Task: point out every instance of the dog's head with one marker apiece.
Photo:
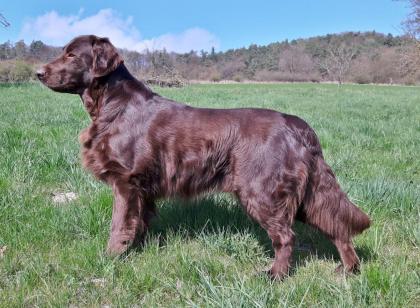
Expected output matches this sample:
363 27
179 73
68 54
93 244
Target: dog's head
83 59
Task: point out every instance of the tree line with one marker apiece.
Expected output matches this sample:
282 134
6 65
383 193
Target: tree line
360 57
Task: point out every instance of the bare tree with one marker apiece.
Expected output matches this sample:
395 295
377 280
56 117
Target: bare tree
410 53
412 23
337 61
294 60
3 21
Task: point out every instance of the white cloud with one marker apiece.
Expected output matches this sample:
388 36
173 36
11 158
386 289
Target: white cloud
55 29
191 39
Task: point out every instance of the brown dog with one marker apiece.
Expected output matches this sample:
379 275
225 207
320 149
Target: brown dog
147 147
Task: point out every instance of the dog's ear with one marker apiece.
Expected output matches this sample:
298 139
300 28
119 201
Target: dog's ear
105 57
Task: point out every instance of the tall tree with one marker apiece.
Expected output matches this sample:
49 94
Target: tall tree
337 61
294 60
20 49
410 60
7 51
412 23
36 49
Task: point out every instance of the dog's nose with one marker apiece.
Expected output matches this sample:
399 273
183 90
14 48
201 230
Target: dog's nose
40 73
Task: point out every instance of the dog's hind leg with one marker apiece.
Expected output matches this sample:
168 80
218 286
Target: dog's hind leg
277 220
349 259
328 208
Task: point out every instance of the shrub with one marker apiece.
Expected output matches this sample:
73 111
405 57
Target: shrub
22 72
237 78
5 68
361 79
16 71
215 77
286 76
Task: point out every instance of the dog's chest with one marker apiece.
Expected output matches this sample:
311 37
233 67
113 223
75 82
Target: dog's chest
97 154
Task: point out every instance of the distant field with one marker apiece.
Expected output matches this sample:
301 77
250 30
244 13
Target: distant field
208 253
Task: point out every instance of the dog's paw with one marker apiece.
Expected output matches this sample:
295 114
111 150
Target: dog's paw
117 248
339 269
347 270
276 274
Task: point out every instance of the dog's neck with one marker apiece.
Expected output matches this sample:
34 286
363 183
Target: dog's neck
120 74
94 97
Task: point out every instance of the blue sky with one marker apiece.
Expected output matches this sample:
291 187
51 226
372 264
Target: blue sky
184 25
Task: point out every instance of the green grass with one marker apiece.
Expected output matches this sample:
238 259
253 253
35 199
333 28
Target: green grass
207 252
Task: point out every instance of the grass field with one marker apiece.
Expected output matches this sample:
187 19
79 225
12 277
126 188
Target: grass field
208 253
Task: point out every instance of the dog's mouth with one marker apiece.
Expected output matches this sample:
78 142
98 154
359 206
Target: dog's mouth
59 86
45 78
44 75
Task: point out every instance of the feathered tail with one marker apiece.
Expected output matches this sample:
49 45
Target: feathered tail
328 208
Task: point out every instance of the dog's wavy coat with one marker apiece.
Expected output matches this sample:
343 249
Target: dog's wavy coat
147 147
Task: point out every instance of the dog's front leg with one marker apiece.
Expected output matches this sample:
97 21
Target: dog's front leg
126 218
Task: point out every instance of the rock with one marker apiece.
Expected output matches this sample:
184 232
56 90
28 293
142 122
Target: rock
2 251
64 197
98 282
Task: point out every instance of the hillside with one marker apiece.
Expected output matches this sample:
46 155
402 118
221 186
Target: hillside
367 57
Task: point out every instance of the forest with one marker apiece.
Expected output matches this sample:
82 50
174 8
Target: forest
351 57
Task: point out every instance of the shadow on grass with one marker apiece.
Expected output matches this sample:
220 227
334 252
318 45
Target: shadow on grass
213 214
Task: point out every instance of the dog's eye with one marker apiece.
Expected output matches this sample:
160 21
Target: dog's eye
71 55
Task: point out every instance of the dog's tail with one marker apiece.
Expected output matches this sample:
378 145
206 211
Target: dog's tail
327 207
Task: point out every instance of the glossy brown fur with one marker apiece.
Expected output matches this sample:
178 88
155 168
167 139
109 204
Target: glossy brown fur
148 147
